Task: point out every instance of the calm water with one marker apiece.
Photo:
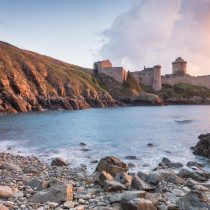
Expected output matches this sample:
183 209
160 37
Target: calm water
115 131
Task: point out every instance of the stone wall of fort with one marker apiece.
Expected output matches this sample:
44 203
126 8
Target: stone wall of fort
149 76
118 73
105 67
203 81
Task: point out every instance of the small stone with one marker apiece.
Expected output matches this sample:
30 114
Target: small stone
6 192
52 204
69 204
131 157
58 162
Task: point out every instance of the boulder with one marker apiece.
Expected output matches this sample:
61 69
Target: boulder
3 207
124 178
198 176
58 162
113 186
138 204
169 164
111 165
104 176
203 146
10 167
6 192
194 200
156 176
139 184
37 184
56 193
194 163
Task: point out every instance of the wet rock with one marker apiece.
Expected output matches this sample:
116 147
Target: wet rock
203 146
10 166
194 200
57 194
85 150
139 184
111 165
131 165
194 163
94 161
82 144
198 176
58 162
131 157
150 145
138 204
103 176
169 164
175 179
113 186
6 192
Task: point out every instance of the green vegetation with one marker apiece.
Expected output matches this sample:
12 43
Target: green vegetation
183 91
131 84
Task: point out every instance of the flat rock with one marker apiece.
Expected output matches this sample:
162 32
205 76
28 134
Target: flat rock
57 194
128 195
113 186
138 204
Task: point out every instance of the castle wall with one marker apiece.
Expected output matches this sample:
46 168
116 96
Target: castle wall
118 73
203 81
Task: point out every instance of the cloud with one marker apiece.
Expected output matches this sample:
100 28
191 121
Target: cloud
157 31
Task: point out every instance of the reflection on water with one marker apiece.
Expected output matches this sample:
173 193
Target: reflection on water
113 131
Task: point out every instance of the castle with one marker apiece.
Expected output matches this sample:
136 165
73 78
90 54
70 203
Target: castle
105 67
152 76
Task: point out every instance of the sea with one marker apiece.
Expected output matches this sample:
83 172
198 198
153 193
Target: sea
119 131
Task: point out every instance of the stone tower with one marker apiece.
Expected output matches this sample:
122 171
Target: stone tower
179 66
157 83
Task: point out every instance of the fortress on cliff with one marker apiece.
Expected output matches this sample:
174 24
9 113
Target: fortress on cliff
152 76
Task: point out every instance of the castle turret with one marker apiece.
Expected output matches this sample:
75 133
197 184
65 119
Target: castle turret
157 83
179 66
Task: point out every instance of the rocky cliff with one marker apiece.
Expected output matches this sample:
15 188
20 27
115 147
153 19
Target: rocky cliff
33 82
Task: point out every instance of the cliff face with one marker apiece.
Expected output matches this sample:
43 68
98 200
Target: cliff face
29 81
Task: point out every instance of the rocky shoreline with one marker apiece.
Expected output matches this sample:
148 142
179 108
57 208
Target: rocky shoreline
28 183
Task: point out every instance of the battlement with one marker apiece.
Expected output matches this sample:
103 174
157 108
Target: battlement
149 76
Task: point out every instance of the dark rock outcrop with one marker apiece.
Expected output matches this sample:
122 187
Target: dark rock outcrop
203 146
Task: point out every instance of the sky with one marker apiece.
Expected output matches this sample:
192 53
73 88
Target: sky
131 33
